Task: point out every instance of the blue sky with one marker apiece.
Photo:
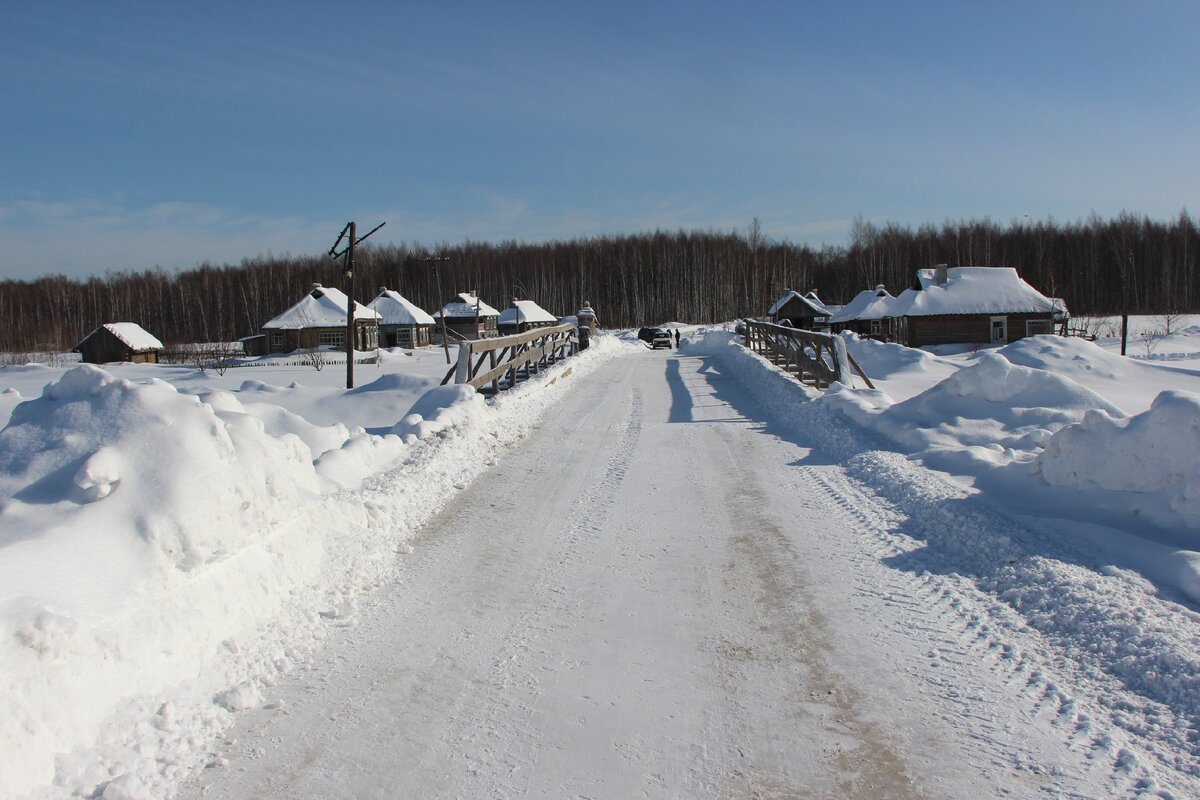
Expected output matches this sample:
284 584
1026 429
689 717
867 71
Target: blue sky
142 134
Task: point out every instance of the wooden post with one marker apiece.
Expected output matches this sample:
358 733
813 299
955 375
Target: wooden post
816 367
463 375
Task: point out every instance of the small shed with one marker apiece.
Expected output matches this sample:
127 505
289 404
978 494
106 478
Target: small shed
119 341
401 323
800 311
319 320
970 305
522 315
469 317
865 314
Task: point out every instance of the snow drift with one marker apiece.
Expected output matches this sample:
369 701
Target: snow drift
1157 451
993 412
152 501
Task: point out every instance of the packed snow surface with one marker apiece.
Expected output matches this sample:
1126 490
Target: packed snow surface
173 544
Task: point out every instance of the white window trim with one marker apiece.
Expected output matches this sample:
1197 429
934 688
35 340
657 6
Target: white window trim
992 329
1049 325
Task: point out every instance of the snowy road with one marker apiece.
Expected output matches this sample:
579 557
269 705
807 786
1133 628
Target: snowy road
662 594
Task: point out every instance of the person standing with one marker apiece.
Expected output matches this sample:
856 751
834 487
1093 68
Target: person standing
677 338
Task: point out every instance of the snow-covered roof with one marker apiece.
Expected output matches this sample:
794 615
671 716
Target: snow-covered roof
465 305
970 290
818 308
811 297
132 334
525 311
322 307
867 304
394 309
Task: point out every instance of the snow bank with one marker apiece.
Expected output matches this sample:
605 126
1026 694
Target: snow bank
1157 451
900 371
994 412
439 409
1128 383
127 514
164 555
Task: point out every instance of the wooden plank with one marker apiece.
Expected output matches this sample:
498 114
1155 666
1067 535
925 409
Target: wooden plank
498 371
500 342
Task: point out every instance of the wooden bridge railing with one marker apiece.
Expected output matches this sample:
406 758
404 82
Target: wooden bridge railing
819 358
489 361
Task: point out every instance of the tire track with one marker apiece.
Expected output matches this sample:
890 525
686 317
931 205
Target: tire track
492 731
961 630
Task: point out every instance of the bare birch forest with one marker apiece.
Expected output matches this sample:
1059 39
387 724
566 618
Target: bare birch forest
1099 266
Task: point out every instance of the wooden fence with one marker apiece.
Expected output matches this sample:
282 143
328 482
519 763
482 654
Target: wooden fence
502 361
816 358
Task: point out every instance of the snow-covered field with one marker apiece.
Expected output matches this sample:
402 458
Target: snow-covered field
172 543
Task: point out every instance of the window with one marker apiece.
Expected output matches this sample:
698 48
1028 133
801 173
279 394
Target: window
876 327
1036 327
331 338
999 330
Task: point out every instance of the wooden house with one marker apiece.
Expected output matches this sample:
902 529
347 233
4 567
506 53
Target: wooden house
401 323
800 311
866 314
969 305
119 341
468 317
319 320
522 315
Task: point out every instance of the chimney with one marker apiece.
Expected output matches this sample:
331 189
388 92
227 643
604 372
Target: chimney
941 274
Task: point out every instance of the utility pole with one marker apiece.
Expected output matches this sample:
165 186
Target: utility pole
1125 300
437 274
352 240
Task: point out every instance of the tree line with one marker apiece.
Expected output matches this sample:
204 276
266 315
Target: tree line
1098 266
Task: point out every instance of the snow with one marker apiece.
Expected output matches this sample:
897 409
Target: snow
173 544
1153 452
133 335
395 309
970 290
322 307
